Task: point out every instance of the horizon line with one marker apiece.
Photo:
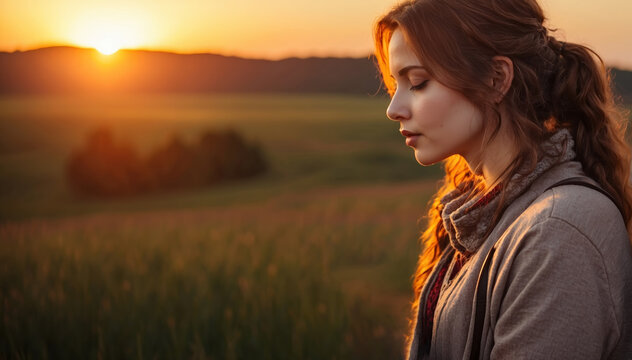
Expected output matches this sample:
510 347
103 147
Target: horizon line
208 52
229 55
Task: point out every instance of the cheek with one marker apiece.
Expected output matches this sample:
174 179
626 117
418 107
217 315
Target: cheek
430 114
444 110
451 125
460 115
464 123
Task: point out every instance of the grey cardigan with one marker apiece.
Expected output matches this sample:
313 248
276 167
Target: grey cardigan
560 281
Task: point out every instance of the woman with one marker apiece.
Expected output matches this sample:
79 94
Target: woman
527 253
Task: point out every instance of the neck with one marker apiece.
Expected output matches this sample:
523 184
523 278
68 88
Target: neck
494 165
494 158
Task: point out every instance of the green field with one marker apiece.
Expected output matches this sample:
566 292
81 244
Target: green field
310 261
310 141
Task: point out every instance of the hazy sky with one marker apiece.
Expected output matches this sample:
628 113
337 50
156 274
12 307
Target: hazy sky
270 29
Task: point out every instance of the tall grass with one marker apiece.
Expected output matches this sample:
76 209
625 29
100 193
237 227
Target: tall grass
267 280
311 261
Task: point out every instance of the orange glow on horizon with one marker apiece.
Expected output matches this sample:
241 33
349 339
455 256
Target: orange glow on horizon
274 29
107 47
107 30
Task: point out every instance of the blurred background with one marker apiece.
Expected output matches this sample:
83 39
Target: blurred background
214 180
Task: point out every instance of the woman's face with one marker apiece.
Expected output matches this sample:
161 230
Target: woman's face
438 122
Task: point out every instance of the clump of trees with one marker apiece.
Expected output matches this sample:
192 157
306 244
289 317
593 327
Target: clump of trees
107 167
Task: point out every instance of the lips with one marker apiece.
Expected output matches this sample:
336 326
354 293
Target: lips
411 137
407 133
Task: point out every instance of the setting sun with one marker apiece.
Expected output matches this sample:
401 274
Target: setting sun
107 47
274 29
108 30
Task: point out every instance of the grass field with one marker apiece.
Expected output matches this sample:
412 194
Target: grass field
310 141
310 261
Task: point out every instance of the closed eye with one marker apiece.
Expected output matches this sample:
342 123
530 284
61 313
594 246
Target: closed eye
419 86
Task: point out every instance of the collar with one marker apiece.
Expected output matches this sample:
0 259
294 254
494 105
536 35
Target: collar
467 216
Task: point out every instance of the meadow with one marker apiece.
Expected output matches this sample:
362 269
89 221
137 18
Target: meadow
310 261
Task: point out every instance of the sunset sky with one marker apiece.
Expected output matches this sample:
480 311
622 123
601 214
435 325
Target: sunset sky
264 29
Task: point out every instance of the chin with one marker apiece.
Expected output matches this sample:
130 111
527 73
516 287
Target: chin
425 159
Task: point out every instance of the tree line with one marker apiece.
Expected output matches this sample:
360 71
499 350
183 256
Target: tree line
107 167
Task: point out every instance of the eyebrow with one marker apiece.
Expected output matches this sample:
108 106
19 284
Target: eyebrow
403 71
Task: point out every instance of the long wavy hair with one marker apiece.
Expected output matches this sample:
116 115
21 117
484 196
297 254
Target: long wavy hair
556 85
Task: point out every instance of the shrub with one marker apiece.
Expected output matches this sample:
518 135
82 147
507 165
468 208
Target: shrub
104 167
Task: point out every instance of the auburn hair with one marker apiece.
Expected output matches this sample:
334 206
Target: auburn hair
556 85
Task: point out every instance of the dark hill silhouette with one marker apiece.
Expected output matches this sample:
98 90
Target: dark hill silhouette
69 69
64 69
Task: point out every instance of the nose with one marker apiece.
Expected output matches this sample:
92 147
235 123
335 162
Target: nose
397 109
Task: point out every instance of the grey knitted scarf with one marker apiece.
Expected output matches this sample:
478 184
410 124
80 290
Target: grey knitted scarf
467 226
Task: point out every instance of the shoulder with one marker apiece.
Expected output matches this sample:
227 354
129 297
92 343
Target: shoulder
579 211
579 230
576 221
574 235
